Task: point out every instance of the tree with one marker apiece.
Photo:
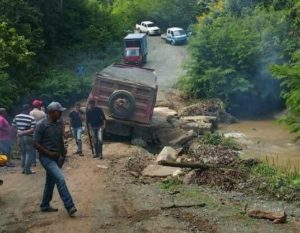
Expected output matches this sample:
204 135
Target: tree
14 54
230 56
289 74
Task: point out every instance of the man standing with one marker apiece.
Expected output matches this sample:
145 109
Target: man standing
96 123
76 118
5 136
38 115
24 125
49 142
36 112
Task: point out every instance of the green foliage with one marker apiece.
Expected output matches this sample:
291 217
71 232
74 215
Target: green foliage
38 35
219 139
229 59
290 76
165 13
272 181
14 54
63 86
265 170
170 183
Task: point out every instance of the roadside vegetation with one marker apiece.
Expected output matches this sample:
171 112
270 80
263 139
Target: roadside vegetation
254 177
233 47
43 42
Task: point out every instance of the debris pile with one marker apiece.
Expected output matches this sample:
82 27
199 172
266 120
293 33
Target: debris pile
226 179
204 108
211 154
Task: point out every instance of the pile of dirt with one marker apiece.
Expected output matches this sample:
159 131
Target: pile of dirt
139 162
210 107
226 179
211 154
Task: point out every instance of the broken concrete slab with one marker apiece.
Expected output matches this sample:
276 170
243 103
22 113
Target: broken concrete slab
167 154
200 118
184 138
161 117
154 170
200 124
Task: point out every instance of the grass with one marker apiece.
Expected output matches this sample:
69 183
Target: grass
170 183
283 184
219 139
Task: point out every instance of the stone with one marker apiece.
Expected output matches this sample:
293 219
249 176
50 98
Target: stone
188 179
276 217
167 154
178 172
102 166
154 170
184 138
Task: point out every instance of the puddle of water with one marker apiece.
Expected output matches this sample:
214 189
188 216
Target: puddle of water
266 140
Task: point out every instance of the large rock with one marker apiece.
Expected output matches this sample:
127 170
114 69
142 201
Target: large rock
200 124
167 154
160 171
184 138
190 177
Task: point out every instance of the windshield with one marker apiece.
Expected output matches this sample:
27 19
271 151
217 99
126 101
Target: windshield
151 25
179 33
132 52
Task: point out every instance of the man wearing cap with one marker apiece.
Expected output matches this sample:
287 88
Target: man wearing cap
38 115
36 112
48 140
23 125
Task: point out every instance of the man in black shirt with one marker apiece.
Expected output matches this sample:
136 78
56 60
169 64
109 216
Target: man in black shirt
48 140
96 123
76 118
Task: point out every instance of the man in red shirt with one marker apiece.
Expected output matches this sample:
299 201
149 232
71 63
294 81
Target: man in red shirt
5 135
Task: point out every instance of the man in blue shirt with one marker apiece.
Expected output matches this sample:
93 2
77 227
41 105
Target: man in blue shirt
48 140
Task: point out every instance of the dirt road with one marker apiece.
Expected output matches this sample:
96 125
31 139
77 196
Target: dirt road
167 60
109 199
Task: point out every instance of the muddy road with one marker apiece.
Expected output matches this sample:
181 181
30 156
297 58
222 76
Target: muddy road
110 199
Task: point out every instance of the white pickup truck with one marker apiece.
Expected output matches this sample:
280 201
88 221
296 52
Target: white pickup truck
148 27
175 35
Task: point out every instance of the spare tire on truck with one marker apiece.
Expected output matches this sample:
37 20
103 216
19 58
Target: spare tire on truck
121 104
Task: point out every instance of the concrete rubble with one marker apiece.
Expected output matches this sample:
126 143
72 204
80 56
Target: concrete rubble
167 154
154 170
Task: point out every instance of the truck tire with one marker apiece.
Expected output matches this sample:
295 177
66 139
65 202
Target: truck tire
121 104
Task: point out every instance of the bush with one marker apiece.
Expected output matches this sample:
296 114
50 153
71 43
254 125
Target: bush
63 86
218 139
273 181
230 57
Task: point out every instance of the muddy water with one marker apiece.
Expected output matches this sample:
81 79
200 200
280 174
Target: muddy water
266 140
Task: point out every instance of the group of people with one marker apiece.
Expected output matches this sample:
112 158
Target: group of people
43 134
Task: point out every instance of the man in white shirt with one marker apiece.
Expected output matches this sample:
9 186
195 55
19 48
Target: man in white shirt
38 115
36 112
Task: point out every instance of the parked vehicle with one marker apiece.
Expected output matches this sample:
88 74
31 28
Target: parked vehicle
175 35
148 27
135 49
127 95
